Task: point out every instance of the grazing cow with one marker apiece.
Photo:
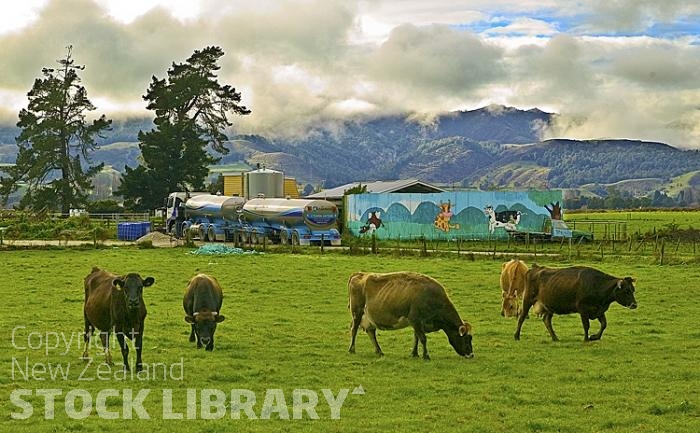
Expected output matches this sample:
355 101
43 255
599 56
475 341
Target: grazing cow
577 289
115 302
512 286
400 299
202 304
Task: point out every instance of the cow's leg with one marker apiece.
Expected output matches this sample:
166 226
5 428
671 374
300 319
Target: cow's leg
586 326
527 304
424 342
104 336
603 324
414 353
547 319
124 348
372 332
354 326
192 334
87 333
138 344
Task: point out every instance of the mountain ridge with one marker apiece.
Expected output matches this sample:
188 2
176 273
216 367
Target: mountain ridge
490 147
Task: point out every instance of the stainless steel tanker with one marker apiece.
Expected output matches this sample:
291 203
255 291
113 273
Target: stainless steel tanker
212 218
214 206
299 221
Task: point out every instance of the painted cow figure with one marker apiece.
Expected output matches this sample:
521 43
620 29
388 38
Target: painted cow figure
400 299
114 302
202 303
512 286
578 289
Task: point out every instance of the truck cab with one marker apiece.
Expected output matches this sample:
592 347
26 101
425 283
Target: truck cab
174 207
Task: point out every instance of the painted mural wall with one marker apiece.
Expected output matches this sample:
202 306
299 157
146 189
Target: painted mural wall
451 215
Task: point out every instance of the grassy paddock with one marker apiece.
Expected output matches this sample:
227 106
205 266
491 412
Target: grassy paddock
287 327
639 222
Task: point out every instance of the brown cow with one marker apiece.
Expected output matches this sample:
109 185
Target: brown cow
512 286
115 302
400 299
202 304
577 289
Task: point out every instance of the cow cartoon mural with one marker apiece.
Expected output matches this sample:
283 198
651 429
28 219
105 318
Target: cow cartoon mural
373 223
442 220
449 215
509 220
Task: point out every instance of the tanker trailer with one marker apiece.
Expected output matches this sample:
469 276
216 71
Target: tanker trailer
206 216
296 221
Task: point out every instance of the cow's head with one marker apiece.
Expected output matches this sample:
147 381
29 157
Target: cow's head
510 305
205 325
132 287
461 340
624 292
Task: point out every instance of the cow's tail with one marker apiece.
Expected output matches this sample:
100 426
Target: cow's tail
353 275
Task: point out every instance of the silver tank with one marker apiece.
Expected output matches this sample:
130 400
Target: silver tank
317 214
265 182
214 206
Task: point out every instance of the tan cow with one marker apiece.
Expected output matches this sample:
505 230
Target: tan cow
512 286
400 299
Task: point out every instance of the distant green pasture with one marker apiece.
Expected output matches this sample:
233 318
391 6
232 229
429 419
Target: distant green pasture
287 328
641 222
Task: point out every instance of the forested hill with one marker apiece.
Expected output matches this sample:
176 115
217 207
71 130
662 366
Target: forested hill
492 147
572 163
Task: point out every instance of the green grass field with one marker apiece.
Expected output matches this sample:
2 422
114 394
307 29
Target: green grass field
287 328
637 222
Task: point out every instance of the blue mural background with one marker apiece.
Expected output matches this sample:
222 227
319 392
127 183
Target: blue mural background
411 216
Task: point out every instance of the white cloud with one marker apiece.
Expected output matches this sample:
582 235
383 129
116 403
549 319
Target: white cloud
302 61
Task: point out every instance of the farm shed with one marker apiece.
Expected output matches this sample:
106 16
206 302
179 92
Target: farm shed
406 186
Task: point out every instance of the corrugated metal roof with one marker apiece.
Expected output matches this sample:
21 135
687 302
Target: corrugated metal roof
381 186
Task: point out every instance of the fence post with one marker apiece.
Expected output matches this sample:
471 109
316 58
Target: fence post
663 247
374 243
322 241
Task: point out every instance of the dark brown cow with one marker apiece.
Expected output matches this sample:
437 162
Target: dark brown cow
400 299
115 302
202 304
512 286
577 289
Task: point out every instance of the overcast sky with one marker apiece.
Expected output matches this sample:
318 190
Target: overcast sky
610 68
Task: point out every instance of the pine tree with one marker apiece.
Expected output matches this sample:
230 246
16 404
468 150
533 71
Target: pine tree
54 142
191 111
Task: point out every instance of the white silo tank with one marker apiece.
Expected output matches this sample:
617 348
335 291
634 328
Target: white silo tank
263 181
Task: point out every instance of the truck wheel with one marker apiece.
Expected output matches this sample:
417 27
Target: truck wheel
254 237
295 238
202 234
211 234
284 237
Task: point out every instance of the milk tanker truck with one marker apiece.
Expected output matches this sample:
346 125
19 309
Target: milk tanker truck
227 218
